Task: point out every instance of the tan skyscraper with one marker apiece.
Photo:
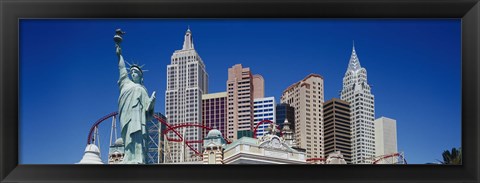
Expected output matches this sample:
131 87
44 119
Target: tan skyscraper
239 101
337 130
258 86
306 97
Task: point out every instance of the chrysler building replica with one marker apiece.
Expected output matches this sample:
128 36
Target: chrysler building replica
356 91
187 80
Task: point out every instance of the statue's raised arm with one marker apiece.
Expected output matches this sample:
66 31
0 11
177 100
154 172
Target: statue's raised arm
121 63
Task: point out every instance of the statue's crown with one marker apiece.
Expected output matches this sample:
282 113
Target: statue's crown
137 66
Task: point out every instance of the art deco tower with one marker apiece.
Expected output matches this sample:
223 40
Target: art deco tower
357 92
187 80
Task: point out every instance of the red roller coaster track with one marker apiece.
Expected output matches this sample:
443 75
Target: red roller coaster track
90 133
389 156
169 128
172 128
316 159
261 122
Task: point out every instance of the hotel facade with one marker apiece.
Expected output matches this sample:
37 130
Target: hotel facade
307 98
240 96
264 109
337 128
214 112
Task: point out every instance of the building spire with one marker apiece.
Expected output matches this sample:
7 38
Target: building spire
354 63
288 133
188 42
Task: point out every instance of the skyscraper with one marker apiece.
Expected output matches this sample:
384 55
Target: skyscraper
187 81
306 97
214 112
239 101
337 128
357 92
264 109
385 136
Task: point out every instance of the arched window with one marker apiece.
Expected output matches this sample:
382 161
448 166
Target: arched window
211 158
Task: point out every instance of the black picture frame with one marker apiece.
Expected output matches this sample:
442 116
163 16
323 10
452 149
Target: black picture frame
11 11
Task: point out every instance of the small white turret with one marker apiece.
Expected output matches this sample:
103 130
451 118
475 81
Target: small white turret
91 156
288 133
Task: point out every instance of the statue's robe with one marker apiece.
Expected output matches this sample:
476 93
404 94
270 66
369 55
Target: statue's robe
133 110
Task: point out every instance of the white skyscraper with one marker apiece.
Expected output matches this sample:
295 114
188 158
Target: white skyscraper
264 109
356 91
385 136
187 80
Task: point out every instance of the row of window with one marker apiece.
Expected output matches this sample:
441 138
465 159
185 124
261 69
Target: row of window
261 115
266 101
258 120
259 106
263 110
185 58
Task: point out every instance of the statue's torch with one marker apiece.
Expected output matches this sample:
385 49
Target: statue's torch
118 39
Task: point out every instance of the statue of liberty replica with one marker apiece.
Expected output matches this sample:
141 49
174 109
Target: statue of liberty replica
135 107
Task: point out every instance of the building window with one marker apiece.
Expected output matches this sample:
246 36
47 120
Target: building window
211 158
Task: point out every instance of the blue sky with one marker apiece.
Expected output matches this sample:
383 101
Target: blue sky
68 72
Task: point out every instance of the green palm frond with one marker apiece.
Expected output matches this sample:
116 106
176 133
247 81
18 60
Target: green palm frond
453 157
